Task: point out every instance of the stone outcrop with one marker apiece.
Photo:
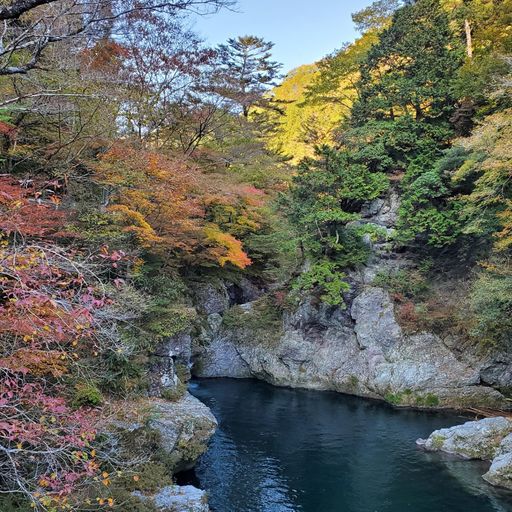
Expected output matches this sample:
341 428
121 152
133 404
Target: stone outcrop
472 440
184 429
175 498
176 433
362 351
487 439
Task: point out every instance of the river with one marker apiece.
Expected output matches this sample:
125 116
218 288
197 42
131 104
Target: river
287 450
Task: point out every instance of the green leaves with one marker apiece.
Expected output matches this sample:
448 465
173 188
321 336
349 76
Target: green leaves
326 278
327 194
411 69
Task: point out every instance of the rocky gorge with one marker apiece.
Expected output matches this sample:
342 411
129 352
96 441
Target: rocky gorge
360 349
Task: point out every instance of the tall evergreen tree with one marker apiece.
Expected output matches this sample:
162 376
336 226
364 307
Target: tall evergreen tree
410 71
247 71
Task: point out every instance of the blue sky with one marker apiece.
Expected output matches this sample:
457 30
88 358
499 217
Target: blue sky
303 30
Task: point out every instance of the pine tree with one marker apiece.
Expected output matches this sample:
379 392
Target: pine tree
247 71
411 69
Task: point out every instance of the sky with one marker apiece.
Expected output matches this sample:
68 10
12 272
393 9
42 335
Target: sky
303 31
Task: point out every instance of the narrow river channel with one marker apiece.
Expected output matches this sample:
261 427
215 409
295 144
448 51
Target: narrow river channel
285 450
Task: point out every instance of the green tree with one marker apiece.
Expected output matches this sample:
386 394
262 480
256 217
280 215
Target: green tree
410 71
325 196
247 71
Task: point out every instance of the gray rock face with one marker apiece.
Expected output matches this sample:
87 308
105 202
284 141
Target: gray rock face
162 376
222 359
375 323
383 211
175 498
211 298
185 427
472 440
244 291
500 472
487 439
362 352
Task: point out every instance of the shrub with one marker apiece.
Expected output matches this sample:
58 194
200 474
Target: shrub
87 394
407 283
325 279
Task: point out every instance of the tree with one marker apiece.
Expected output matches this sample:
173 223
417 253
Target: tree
411 70
487 209
166 206
247 72
31 26
326 195
376 16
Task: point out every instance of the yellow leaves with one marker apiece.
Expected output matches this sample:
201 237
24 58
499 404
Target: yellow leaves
504 237
43 482
105 479
136 224
19 446
105 501
232 253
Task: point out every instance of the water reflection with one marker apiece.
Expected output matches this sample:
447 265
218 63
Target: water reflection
282 450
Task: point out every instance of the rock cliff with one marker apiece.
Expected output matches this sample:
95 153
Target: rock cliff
359 350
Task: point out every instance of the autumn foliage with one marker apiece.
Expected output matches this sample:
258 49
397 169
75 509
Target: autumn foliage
48 304
168 207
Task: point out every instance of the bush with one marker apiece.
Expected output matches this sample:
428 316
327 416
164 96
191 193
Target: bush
491 306
87 394
410 284
325 279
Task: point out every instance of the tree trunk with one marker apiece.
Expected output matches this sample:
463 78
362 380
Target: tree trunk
469 39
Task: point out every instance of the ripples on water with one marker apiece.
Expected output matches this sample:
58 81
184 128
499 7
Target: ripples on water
284 450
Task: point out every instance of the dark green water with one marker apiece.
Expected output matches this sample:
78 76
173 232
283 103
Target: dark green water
283 450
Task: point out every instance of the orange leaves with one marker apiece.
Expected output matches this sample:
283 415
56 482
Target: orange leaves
233 252
37 363
154 197
168 207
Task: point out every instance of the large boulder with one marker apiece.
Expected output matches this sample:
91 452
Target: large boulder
500 472
175 498
472 440
179 430
184 428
